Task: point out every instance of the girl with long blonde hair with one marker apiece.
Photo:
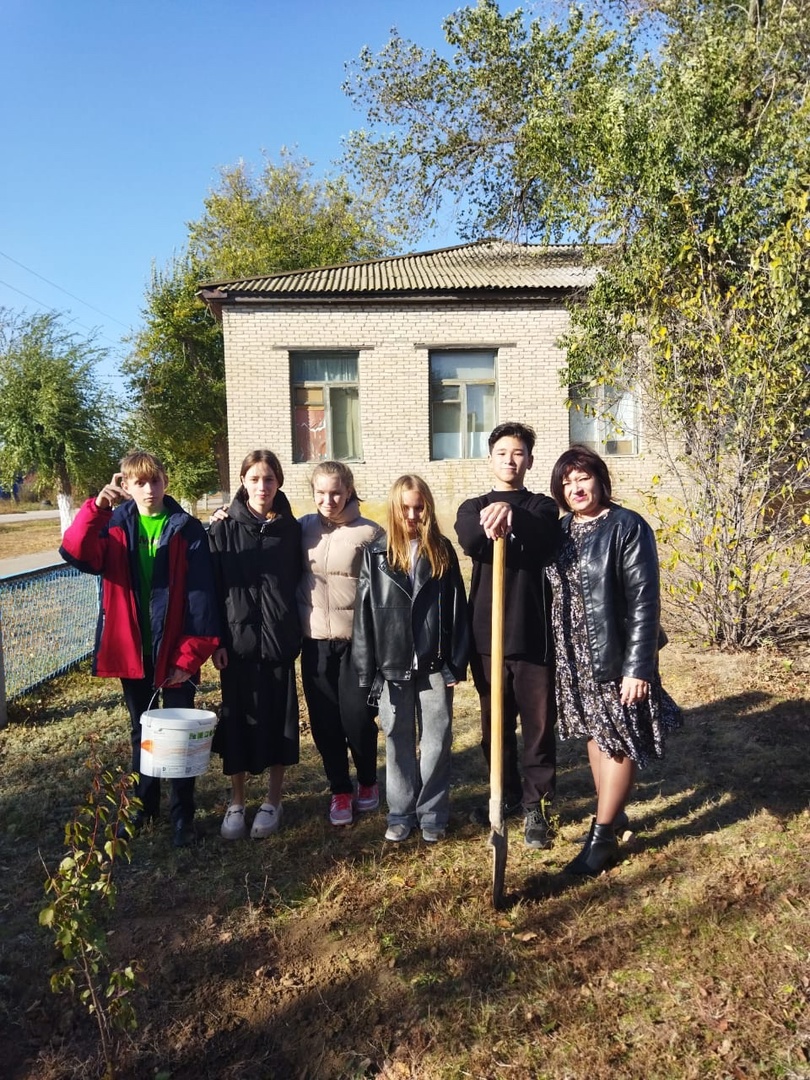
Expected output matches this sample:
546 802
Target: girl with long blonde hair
410 646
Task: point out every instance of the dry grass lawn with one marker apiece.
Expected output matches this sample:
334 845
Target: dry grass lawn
326 953
28 537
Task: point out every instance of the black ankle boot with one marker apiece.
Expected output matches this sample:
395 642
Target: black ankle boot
600 852
579 865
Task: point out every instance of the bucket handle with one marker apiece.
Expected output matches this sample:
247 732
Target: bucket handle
162 687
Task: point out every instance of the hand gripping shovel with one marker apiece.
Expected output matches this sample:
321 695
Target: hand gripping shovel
497 835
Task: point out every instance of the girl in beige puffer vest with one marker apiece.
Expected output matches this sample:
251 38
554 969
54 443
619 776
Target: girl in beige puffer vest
342 722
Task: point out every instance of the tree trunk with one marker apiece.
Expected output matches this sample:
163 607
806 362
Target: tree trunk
64 500
223 469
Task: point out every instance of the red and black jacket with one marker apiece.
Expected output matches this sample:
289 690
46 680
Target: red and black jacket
183 611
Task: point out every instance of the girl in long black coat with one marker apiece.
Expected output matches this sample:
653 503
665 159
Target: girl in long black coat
257 561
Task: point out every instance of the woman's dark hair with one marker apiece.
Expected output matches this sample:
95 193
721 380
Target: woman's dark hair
582 459
262 457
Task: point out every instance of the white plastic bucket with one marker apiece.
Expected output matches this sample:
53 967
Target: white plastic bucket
176 742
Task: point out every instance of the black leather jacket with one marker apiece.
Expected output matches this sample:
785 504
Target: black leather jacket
394 622
618 571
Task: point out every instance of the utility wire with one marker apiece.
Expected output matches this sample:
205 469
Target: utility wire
65 291
53 310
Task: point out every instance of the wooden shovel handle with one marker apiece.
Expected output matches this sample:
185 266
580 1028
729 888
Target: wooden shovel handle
497 836
496 675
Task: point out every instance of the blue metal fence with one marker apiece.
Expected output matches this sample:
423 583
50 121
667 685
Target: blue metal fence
47 624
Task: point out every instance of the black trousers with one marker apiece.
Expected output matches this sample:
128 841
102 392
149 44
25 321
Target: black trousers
138 695
528 693
342 721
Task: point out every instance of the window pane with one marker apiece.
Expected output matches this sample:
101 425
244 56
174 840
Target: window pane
620 425
345 417
309 395
445 392
462 394
324 367
462 365
446 439
480 419
612 430
582 427
310 433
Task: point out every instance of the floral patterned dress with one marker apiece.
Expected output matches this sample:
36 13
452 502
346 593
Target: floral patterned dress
585 707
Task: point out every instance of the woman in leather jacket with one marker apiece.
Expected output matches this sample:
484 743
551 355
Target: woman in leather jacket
409 647
606 620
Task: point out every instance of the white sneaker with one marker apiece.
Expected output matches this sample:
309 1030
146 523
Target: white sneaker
266 822
233 824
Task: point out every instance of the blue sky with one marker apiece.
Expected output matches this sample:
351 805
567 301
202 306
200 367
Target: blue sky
117 117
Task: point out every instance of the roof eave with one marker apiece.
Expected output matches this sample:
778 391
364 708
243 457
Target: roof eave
217 299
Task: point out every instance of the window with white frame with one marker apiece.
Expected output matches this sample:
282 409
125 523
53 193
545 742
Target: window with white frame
605 419
326 406
462 402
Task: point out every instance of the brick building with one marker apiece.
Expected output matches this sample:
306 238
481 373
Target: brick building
406 364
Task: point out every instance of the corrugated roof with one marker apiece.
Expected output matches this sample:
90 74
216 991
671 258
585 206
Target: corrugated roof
488 265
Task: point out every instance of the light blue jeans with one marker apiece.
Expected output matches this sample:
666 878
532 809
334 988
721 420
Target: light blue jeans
417 718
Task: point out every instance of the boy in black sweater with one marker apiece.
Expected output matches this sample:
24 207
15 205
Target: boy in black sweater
529 523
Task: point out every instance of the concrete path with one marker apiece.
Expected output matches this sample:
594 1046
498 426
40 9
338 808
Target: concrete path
29 515
20 564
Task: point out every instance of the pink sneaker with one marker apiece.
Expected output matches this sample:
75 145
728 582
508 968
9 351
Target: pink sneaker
368 798
340 810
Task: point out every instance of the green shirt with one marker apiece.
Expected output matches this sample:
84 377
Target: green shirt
149 531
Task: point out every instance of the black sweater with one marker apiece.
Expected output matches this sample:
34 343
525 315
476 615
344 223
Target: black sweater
532 545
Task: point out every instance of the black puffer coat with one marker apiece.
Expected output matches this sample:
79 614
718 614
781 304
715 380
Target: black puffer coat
618 571
257 566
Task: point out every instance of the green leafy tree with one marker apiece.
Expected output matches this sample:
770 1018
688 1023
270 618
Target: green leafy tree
253 223
55 417
670 139
176 377
281 219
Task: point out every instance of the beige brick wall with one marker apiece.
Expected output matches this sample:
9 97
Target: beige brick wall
394 340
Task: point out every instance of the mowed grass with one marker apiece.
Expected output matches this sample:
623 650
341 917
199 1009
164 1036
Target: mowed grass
327 953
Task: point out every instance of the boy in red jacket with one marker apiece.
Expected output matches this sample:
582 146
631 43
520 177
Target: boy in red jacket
159 618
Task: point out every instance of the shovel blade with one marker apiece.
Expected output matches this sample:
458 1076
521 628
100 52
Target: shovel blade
498 843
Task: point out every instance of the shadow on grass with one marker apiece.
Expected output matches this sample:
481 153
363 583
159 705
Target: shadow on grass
731 760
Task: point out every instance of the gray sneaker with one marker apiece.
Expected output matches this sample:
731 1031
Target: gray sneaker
431 835
537 830
397 833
